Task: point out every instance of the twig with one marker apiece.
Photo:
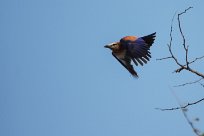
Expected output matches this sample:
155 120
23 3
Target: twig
189 83
183 37
164 58
196 59
184 111
195 130
181 107
181 68
201 84
170 43
186 65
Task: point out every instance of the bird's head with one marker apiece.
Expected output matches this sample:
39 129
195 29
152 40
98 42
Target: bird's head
113 46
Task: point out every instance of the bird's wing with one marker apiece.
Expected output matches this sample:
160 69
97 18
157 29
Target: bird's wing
138 48
149 39
125 61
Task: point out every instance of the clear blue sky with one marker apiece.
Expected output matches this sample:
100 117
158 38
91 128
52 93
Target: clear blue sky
57 79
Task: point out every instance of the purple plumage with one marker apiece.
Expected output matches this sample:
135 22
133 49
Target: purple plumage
138 49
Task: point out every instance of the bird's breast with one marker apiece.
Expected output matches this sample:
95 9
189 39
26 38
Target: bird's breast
120 54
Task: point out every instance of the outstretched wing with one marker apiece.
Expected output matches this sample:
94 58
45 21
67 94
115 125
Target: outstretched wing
149 39
125 61
138 48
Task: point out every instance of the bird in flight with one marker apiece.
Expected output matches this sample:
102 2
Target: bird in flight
132 48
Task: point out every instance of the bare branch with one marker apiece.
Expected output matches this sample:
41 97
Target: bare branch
170 43
183 37
164 58
195 72
178 70
189 69
181 107
201 84
195 130
186 67
189 83
196 59
181 66
184 111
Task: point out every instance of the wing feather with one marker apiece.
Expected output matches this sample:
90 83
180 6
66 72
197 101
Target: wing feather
135 61
138 48
138 60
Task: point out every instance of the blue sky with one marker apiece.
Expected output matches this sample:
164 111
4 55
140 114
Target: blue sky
57 79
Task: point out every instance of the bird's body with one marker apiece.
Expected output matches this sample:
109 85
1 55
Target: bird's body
132 48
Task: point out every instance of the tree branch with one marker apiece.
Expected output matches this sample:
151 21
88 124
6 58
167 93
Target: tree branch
187 62
181 107
196 59
183 37
188 83
184 66
184 111
164 58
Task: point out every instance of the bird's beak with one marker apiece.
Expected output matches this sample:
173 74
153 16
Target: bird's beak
107 46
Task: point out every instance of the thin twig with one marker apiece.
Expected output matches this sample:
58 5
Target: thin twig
196 59
170 43
195 130
189 83
183 37
201 84
164 58
181 107
184 111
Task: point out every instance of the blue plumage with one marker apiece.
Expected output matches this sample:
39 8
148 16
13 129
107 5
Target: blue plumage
132 48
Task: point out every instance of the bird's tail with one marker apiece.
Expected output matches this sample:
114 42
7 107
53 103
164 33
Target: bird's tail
133 72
